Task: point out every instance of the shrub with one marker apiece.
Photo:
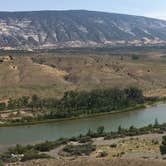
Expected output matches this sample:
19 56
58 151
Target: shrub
49 145
155 142
113 145
135 57
90 132
85 139
44 147
163 146
156 123
103 154
33 155
2 106
79 150
100 130
19 149
1 163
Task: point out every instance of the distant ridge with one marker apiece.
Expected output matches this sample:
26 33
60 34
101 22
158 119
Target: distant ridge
77 28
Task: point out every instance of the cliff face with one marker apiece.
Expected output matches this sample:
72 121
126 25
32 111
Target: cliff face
50 29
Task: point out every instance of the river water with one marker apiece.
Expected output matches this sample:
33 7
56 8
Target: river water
53 131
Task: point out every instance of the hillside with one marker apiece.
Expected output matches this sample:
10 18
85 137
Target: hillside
54 29
51 74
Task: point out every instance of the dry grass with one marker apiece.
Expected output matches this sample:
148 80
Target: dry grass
58 73
93 162
133 146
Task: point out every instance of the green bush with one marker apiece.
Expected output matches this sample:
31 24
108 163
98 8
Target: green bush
33 155
113 145
100 130
79 150
44 147
103 154
1 163
2 106
19 149
163 146
49 145
155 142
135 57
85 139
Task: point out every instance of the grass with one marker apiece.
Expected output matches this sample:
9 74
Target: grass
43 91
62 72
130 146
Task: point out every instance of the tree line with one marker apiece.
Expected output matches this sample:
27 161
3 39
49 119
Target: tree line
74 104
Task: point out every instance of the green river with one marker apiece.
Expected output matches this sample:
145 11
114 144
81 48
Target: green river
53 131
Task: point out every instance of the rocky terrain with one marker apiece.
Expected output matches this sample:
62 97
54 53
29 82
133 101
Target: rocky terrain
54 29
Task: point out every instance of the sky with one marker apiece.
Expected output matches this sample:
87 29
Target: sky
149 8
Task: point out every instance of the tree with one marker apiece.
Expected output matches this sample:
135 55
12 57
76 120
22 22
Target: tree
35 102
163 146
156 123
134 95
119 128
100 130
12 103
2 106
1 163
24 101
90 132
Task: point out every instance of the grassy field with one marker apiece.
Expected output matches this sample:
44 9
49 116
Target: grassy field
51 74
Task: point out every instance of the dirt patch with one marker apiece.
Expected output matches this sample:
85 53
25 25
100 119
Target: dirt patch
53 70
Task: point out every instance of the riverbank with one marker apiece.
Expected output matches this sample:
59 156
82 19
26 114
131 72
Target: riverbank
53 131
73 105
137 107
132 143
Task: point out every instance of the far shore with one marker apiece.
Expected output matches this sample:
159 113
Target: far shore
137 107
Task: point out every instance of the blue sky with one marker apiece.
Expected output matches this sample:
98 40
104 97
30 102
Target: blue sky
150 8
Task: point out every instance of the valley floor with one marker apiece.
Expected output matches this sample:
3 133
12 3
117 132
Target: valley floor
50 75
130 151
